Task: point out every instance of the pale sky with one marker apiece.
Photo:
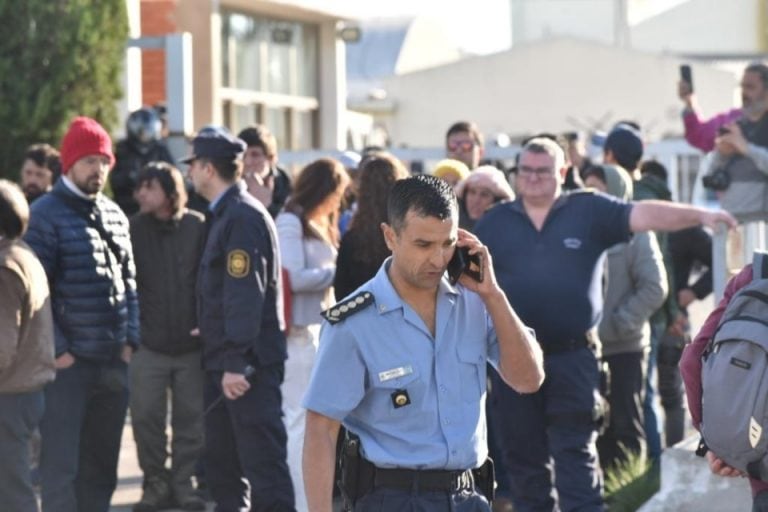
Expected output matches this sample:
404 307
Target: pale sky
480 26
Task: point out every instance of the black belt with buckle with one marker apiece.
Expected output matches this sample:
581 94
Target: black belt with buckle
588 340
423 480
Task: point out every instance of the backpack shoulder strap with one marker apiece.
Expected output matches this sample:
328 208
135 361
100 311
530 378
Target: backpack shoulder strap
759 265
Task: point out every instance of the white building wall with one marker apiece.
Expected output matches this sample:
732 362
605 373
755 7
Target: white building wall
702 26
586 19
553 86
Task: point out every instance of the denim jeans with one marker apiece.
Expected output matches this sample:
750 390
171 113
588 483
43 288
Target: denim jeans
81 432
19 416
650 414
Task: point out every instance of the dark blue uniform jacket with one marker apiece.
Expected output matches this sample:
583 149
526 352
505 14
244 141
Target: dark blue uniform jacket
240 308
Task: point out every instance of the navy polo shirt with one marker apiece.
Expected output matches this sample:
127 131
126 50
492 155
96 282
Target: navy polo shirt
553 277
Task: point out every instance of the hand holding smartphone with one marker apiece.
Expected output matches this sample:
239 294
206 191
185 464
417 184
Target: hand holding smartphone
465 263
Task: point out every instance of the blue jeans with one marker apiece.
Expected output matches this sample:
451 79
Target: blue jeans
81 432
19 416
650 416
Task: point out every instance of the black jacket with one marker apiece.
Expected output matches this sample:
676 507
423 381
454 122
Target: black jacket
167 256
239 291
281 191
689 247
130 158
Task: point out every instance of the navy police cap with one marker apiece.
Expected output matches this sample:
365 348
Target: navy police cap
215 143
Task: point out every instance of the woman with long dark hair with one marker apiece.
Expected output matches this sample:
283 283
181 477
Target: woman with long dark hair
362 249
308 235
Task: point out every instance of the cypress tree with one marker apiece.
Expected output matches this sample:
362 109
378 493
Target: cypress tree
58 59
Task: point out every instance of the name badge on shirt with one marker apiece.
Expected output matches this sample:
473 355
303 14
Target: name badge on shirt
395 373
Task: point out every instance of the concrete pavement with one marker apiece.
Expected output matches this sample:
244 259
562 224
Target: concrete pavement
129 475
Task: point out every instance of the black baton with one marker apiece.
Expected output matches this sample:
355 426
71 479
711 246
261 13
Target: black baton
248 373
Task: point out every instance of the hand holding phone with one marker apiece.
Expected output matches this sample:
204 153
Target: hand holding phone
465 263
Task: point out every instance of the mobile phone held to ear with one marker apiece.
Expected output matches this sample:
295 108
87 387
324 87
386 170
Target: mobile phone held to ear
686 75
465 263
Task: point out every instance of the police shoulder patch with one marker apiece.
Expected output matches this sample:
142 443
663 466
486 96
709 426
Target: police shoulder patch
238 263
348 307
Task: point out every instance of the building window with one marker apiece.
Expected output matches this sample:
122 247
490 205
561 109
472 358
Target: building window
270 76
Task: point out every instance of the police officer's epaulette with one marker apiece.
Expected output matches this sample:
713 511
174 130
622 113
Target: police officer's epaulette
348 307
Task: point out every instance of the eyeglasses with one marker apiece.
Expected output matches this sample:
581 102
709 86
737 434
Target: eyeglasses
464 146
540 172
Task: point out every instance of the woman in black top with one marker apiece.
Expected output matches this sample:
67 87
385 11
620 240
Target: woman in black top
362 249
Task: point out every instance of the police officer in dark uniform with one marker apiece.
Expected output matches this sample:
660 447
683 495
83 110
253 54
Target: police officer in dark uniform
243 344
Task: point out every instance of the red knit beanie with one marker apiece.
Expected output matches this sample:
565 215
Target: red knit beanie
84 137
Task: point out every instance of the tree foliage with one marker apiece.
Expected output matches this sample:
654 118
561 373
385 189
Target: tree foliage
58 59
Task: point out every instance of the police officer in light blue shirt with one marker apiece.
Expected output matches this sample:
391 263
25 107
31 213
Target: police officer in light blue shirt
402 365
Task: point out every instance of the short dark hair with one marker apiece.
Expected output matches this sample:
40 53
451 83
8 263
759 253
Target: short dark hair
425 195
654 168
45 155
227 169
170 180
466 127
259 135
14 210
760 69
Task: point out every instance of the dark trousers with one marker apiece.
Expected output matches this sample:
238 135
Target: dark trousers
671 389
382 499
245 446
626 431
20 414
152 375
548 437
81 432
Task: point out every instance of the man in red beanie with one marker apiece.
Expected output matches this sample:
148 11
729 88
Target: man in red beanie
82 239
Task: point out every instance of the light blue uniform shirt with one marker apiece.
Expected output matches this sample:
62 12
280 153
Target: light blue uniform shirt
386 347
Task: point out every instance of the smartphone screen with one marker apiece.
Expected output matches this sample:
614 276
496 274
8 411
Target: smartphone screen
686 75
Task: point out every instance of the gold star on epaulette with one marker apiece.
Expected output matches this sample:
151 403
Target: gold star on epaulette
349 307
